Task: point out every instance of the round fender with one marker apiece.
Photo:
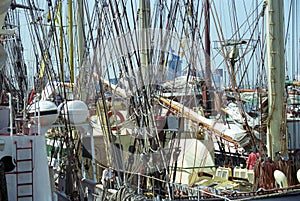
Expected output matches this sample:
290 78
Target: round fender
280 178
298 175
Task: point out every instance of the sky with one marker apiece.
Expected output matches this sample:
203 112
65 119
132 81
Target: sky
222 8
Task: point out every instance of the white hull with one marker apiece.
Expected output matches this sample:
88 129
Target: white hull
39 172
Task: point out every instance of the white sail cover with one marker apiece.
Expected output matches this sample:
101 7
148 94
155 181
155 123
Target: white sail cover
193 153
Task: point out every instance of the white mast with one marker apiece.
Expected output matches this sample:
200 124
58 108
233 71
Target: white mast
276 76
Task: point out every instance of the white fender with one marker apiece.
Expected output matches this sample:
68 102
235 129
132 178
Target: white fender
298 175
48 112
280 179
76 111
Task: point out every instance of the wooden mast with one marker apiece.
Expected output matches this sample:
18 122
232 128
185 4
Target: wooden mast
276 76
80 32
70 23
61 44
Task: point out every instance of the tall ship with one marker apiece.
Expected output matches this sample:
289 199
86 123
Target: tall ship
149 100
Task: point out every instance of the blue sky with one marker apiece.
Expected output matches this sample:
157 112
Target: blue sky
225 11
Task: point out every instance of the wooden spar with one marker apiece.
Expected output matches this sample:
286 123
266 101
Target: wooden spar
116 88
276 76
246 90
179 108
187 112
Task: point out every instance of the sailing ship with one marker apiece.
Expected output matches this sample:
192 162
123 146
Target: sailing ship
155 113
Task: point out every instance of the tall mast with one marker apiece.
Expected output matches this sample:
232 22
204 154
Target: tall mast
80 32
144 9
70 180
276 76
70 22
80 50
144 16
61 44
207 99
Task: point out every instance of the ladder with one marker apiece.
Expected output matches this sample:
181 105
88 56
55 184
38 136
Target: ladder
24 169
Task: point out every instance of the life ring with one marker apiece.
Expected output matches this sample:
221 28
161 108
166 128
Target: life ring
119 119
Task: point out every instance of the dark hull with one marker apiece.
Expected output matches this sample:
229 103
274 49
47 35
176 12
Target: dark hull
289 195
